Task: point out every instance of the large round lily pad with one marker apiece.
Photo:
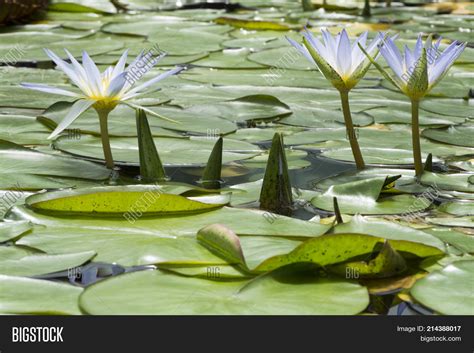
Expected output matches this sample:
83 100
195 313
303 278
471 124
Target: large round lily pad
449 291
156 293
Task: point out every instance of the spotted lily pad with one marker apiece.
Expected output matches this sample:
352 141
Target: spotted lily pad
119 200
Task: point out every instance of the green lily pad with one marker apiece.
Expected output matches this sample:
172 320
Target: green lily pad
465 221
248 108
127 248
16 159
32 49
405 239
162 294
459 135
387 263
458 182
19 97
186 225
209 272
375 156
452 107
258 77
405 183
20 295
10 230
229 59
331 249
24 130
390 115
41 264
317 117
16 75
296 159
449 291
81 6
120 200
461 241
458 208
285 58
365 197
186 41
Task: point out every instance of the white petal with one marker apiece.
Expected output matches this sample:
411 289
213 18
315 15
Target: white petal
409 63
153 81
315 43
48 89
93 74
344 55
418 48
393 60
81 74
77 109
116 85
301 49
65 67
120 66
356 54
141 66
130 82
330 44
443 64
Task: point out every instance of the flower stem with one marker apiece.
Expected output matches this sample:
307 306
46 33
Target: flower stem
104 133
351 134
415 135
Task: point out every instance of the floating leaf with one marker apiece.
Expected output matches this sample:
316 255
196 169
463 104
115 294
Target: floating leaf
12 229
406 239
332 249
41 264
449 291
251 24
20 295
387 263
162 294
119 200
366 197
459 135
458 182
15 159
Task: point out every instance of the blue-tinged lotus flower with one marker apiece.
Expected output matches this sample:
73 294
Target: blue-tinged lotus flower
343 63
417 71
102 91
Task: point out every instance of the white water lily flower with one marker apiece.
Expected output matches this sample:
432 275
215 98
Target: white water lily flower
343 63
417 71
102 91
